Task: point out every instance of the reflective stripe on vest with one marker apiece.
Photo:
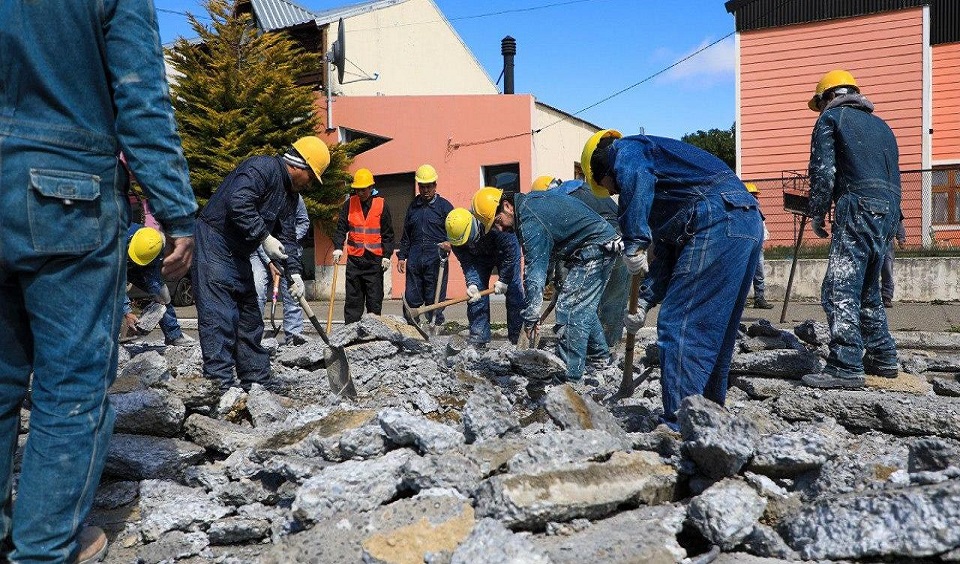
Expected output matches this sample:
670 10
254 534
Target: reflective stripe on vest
364 232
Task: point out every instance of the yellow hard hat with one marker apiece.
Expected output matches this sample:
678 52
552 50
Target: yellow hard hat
426 174
363 178
145 245
752 188
830 81
315 152
587 154
544 183
484 206
461 226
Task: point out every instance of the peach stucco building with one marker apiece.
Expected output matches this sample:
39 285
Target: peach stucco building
905 58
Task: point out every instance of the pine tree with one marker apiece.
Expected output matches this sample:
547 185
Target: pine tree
236 96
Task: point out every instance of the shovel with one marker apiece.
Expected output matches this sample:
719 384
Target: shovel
443 266
627 384
333 289
524 342
273 305
338 371
414 313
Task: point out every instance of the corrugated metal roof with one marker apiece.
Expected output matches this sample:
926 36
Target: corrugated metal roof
272 15
334 14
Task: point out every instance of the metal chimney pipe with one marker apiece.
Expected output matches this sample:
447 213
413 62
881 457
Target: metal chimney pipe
508 48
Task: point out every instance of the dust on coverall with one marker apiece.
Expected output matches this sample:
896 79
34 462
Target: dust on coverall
613 302
854 164
253 201
707 230
423 230
550 223
364 279
477 258
149 279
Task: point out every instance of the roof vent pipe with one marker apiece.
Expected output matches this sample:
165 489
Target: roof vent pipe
508 48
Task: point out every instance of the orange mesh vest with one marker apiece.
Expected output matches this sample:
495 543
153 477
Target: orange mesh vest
364 232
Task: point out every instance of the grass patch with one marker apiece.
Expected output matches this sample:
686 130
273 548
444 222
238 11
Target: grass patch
822 251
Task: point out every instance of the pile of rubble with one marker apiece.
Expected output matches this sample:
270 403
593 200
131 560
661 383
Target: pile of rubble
445 458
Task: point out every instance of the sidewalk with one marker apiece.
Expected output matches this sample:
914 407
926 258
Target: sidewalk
903 316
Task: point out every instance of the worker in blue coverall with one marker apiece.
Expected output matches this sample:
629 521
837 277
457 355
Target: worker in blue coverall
613 302
144 260
548 223
854 165
478 253
255 205
707 230
67 109
263 272
424 245
365 228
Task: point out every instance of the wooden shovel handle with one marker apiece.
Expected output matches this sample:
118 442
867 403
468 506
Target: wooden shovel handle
424 309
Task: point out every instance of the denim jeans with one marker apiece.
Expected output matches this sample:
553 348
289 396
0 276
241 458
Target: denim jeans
759 287
613 303
709 275
580 333
292 313
862 231
478 312
150 281
62 284
229 320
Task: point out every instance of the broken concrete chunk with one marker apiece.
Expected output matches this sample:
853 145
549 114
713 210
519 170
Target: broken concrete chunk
141 457
791 453
812 332
492 543
235 530
559 448
726 512
168 506
487 415
363 443
716 440
590 490
537 364
434 533
173 546
264 406
570 410
780 363
148 412
149 368
429 437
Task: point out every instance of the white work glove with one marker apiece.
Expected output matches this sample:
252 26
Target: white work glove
500 287
637 264
337 255
634 321
163 297
614 245
385 264
819 225
474 293
274 248
296 286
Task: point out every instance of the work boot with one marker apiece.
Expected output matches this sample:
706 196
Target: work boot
829 381
295 340
759 302
874 369
93 545
888 303
181 341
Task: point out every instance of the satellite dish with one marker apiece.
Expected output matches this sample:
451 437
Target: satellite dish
338 53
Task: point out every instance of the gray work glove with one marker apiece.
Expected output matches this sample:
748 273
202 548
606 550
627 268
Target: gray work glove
274 248
614 246
819 225
297 287
163 297
637 264
474 292
384 264
634 321
500 287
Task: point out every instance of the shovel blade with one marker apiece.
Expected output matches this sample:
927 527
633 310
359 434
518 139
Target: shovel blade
414 320
338 373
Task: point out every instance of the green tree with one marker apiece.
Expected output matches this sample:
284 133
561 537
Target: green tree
721 143
236 96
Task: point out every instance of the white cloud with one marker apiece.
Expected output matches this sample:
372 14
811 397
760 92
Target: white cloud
715 64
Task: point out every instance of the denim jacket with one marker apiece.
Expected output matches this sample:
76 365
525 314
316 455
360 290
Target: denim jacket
106 92
253 201
551 222
661 181
852 150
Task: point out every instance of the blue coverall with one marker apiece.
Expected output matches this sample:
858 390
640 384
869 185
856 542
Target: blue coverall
707 232
854 164
423 230
79 82
613 302
478 258
550 223
253 201
149 279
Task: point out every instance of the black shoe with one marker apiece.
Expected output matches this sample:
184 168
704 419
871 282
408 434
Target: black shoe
829 381
761 303
887 303
294 340
870 367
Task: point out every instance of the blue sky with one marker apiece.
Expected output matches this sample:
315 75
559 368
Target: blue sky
572 54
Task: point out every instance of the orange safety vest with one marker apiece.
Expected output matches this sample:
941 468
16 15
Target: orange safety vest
364 232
